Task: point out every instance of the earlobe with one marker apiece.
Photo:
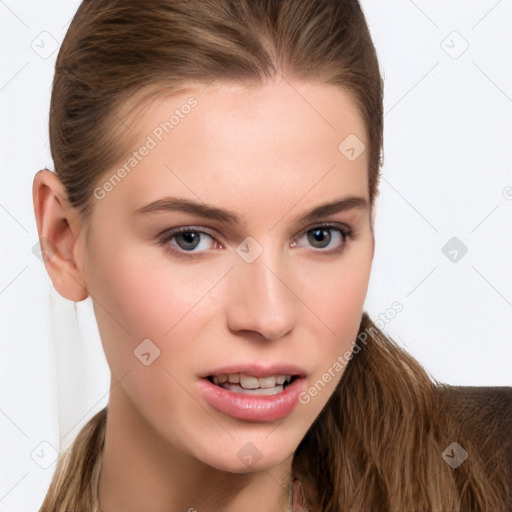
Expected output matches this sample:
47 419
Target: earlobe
58 228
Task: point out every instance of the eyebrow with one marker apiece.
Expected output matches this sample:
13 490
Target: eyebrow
231 218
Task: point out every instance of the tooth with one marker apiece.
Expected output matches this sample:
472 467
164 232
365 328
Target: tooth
261 391
251 382
248 382
267 382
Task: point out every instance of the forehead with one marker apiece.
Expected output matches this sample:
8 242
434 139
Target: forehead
230 141
274 105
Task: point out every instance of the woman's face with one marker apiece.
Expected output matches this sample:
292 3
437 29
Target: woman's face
269 294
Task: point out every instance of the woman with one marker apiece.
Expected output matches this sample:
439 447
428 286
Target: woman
216 169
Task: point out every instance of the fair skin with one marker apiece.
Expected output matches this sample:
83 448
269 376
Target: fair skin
269 154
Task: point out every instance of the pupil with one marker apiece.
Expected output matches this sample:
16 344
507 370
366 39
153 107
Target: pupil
318 234
189 238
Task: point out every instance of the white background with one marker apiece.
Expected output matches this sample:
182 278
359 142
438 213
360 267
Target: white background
447 173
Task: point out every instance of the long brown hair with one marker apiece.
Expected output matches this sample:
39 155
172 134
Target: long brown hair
376 445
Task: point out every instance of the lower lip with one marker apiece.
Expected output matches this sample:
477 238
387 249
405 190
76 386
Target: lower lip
252 407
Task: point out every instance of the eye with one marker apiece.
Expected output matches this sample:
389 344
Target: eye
321 237
186 239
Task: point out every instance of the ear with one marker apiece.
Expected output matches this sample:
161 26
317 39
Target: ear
58 227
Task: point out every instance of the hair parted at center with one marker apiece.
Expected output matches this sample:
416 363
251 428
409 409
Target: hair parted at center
376 444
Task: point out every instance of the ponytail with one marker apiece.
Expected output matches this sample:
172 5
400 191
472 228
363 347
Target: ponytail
74 485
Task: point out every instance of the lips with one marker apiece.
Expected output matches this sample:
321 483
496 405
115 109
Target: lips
257 404
252 405
257 370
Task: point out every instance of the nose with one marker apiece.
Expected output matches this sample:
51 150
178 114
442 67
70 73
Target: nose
260 298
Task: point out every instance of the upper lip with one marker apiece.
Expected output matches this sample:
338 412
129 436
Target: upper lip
258 370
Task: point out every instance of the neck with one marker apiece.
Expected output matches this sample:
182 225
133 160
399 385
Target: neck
142 471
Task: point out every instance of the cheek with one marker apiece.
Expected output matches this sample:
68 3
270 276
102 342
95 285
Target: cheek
339 305
139 293
137 286
136 301
338 299
338 291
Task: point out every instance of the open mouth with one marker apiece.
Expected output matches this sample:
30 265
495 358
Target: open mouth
240 383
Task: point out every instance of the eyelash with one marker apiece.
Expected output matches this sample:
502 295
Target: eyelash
346 232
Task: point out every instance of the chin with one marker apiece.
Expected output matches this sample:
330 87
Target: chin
247 459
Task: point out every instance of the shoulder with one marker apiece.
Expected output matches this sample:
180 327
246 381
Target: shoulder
482 415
